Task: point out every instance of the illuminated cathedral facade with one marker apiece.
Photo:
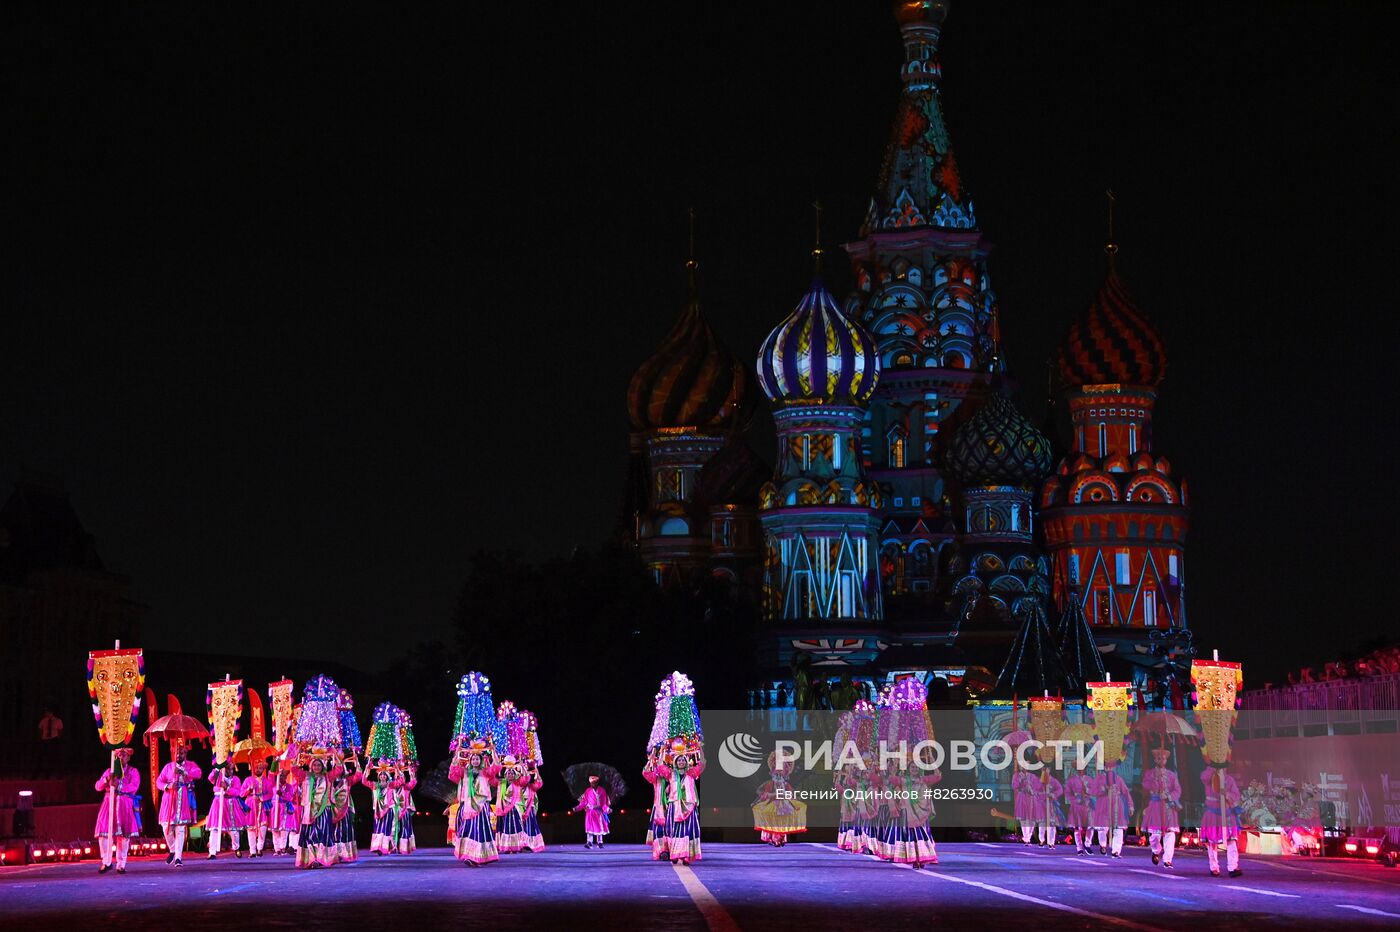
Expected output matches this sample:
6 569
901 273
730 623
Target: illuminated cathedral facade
914 521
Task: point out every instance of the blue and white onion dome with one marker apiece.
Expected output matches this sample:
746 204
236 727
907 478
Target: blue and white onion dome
819 355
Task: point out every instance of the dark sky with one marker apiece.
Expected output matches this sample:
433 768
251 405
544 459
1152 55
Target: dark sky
310 301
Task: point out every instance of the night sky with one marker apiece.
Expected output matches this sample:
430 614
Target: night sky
310 302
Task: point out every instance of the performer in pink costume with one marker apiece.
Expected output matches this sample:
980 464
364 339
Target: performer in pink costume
509 808
259 789
475 834
596 808
117 834
1113 808
177 803
1081 806
284 820
225 814
1023 785
1161 816
1048 791
1220 820
408 780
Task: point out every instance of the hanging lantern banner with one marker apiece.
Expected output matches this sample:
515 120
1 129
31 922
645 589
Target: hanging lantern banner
1217 684
1047 721
116 680
1110 703
224 704
279 696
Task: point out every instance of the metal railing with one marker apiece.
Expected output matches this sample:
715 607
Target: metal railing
1351 706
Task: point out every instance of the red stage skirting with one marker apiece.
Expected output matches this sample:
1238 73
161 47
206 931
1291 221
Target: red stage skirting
60 823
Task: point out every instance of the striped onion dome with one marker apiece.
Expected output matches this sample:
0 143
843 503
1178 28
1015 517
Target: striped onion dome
998 446
691 380
1113 342
819 354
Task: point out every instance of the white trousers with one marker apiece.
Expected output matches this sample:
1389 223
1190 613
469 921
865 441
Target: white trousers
1047 835
216 841
174 838
1026 829
1116 845
1232 855
257 838
279 840
104 844
1165 846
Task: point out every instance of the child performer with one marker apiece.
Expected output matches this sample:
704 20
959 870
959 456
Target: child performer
177 803
120 781
1220 820
596 806
1160 818
259 792
476 836
225 814
660 826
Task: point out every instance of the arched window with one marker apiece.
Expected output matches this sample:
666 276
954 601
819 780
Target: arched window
896 448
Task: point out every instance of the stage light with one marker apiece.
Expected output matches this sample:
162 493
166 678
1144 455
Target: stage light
1351 847
24 815
1373 849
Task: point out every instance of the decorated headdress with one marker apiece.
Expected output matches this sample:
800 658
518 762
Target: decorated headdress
907 719
682 718
385 742
318 723
516 744
1217 684
1110 703
224 703
476 712
349 728
681 745
532 737
115 680
661 722
406 739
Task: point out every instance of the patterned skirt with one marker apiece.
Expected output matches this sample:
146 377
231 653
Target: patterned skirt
345 836
910 842
319 845
385 837
659 834
878 834
683 838
510 832
534 838
407 842
476 838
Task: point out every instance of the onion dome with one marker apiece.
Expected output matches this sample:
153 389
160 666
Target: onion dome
819 354
691 380
998 446
1113 342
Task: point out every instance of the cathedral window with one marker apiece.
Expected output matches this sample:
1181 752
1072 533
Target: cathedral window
1103 607
806 452
1122 567
835 452
1149 608
1173 571
1132 438
896 448
1103 439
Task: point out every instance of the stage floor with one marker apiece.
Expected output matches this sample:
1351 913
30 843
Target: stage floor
750 887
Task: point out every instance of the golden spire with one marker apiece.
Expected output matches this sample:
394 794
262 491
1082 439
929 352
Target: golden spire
1111 247
817 248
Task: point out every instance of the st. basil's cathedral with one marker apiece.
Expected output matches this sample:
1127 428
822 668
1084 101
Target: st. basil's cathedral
914 521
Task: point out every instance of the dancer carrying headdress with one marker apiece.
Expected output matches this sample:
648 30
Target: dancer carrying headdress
681 763
659 828
114 835
323 792
472 769
908 837
381 781
530 790
408 781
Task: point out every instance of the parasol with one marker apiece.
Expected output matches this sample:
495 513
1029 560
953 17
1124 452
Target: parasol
576 778
177 726
1163 729
251 749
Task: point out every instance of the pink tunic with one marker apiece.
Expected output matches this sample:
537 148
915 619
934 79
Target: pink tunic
176 785
1220 821
126 787
1023 784
1047 796
258 793
225 814
284 816
1163 791
1081 801
1113 806
594 803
